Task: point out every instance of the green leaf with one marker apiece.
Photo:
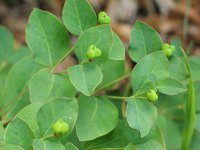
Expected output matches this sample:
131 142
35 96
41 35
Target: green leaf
19 133
170 86
45 86
197 95
198 122
97 117
2 131
10 147
130 147
15 94
110 77
70 146
47 145
101 36
18 54
85 78
28 114
194 66
195 144
117 51
144 40
150 145
149 70
117 138
47 38
171 133
6 44
78 16
60 108
177 69
141 115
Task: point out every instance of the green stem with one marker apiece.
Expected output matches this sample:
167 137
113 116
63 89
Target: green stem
124 103
49 136
113 97
85 60
190 115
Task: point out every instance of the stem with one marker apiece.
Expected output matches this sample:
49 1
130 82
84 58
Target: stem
190 115
114 97
47 137
126 93
85 60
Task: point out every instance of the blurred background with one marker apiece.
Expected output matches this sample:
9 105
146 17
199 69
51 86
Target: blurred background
178 19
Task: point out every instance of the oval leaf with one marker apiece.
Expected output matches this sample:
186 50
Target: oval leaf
10 147
150 70
85 78
96 117
47 38
19 133
49 113
78 16
101 36
110 77
170 86
117 51
144 40
141 115
47 145
15 94
45 85
28 115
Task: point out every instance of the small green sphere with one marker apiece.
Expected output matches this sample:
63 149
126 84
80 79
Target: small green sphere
165 46
168 52
152 95
97 52
60 127
92 47
103 18
90 53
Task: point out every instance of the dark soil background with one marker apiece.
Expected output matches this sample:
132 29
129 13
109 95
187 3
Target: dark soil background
172 18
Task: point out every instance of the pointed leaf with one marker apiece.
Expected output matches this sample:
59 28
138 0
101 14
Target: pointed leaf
170 86
45 86
47 145
141 115
47 38
97 117
101 36
78 16
144 40
85 78
117 51
150 70
60 108
19 133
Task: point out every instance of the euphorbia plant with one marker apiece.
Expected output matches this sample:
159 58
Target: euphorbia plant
78 108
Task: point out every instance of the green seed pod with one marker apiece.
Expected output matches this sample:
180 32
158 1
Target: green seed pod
90 53
152 95
60 127
92 47
168 52
103 18
165 46
97 52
